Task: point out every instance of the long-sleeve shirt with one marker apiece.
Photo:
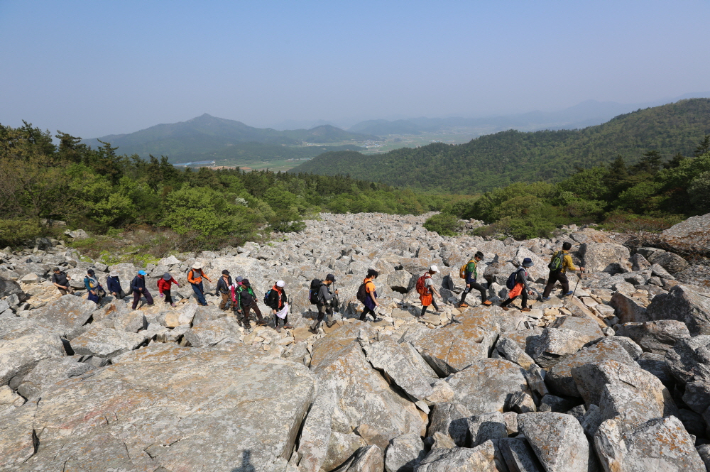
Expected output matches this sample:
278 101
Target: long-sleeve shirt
113 284
138 283
165 284
567 263
89 281
324 294
195 276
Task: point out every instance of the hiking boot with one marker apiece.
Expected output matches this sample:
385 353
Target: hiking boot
463 305
278 328
314 327
568 293
546 299
173 305
487 303
261 323
505 308
288 326
525 309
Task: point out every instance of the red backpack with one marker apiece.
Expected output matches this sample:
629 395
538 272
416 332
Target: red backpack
422 289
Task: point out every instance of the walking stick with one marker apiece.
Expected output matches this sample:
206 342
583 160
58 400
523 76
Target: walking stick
581 272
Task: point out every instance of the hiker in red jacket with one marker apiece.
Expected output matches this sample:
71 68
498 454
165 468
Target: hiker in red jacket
164 287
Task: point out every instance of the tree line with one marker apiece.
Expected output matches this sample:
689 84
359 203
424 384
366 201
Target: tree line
651 195
102 191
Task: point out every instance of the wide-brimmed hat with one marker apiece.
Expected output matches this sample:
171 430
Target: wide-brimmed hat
113 273
281 284
167 276
527 262
433 268
197 265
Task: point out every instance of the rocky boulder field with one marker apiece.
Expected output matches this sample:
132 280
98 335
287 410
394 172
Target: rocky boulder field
615 378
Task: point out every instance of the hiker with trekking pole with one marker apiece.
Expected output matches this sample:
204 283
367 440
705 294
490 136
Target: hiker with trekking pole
559 265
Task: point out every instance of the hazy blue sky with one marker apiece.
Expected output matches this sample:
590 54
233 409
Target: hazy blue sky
91 68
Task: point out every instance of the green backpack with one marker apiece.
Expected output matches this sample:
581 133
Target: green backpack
556 262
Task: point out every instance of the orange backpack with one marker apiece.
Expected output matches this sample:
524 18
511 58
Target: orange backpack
421 285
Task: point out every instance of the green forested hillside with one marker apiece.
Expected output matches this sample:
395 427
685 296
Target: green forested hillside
202 137
104 192
503 158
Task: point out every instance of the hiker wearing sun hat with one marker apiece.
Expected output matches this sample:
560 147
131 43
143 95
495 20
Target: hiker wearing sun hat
113 284
427 290
164 287
277 300
519 281
139 289
223 284
194 276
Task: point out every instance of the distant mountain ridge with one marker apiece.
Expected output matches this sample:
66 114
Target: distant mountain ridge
502 158
581 115
206 134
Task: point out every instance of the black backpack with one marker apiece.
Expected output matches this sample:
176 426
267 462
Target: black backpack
513 279
271 298
246 296
314 292
362 292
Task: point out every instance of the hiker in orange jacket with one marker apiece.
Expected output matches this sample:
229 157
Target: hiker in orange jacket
428 291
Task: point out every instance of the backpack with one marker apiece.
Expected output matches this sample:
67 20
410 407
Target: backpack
512 280
246 296
462 270
421 285
556 262
271 298
314 292
362 292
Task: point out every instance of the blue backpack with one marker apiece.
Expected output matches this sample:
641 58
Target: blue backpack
512 280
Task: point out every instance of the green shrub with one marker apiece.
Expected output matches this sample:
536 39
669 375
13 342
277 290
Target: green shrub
699 192
444 224
17 232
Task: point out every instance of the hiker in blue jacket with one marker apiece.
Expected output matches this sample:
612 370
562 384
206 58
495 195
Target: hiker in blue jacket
139 289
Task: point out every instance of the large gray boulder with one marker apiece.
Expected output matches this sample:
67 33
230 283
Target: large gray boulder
657 337
671 262
690 357
682 304
403 364
487 385
106 342
558 441
554 344
365 401
48 372
518 455
627 310
622 390
213 332
23 344
454 347
691 236
460 459
66 315
560 379
486 427
404 453
605 257
449 419
659 444
510 350
10 287
365 459
316 431
193 418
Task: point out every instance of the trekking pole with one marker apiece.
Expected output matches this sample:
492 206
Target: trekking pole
581 272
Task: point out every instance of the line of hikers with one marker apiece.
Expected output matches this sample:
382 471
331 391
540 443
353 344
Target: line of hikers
240 296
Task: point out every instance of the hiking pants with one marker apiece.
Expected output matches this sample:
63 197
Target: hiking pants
367 311
199 293
278 320
557 276
433 302
257 312
137 297
471 286
225 301
324 310
524 294
168 297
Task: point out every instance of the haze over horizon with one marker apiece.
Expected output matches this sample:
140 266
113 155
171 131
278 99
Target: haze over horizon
97 68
